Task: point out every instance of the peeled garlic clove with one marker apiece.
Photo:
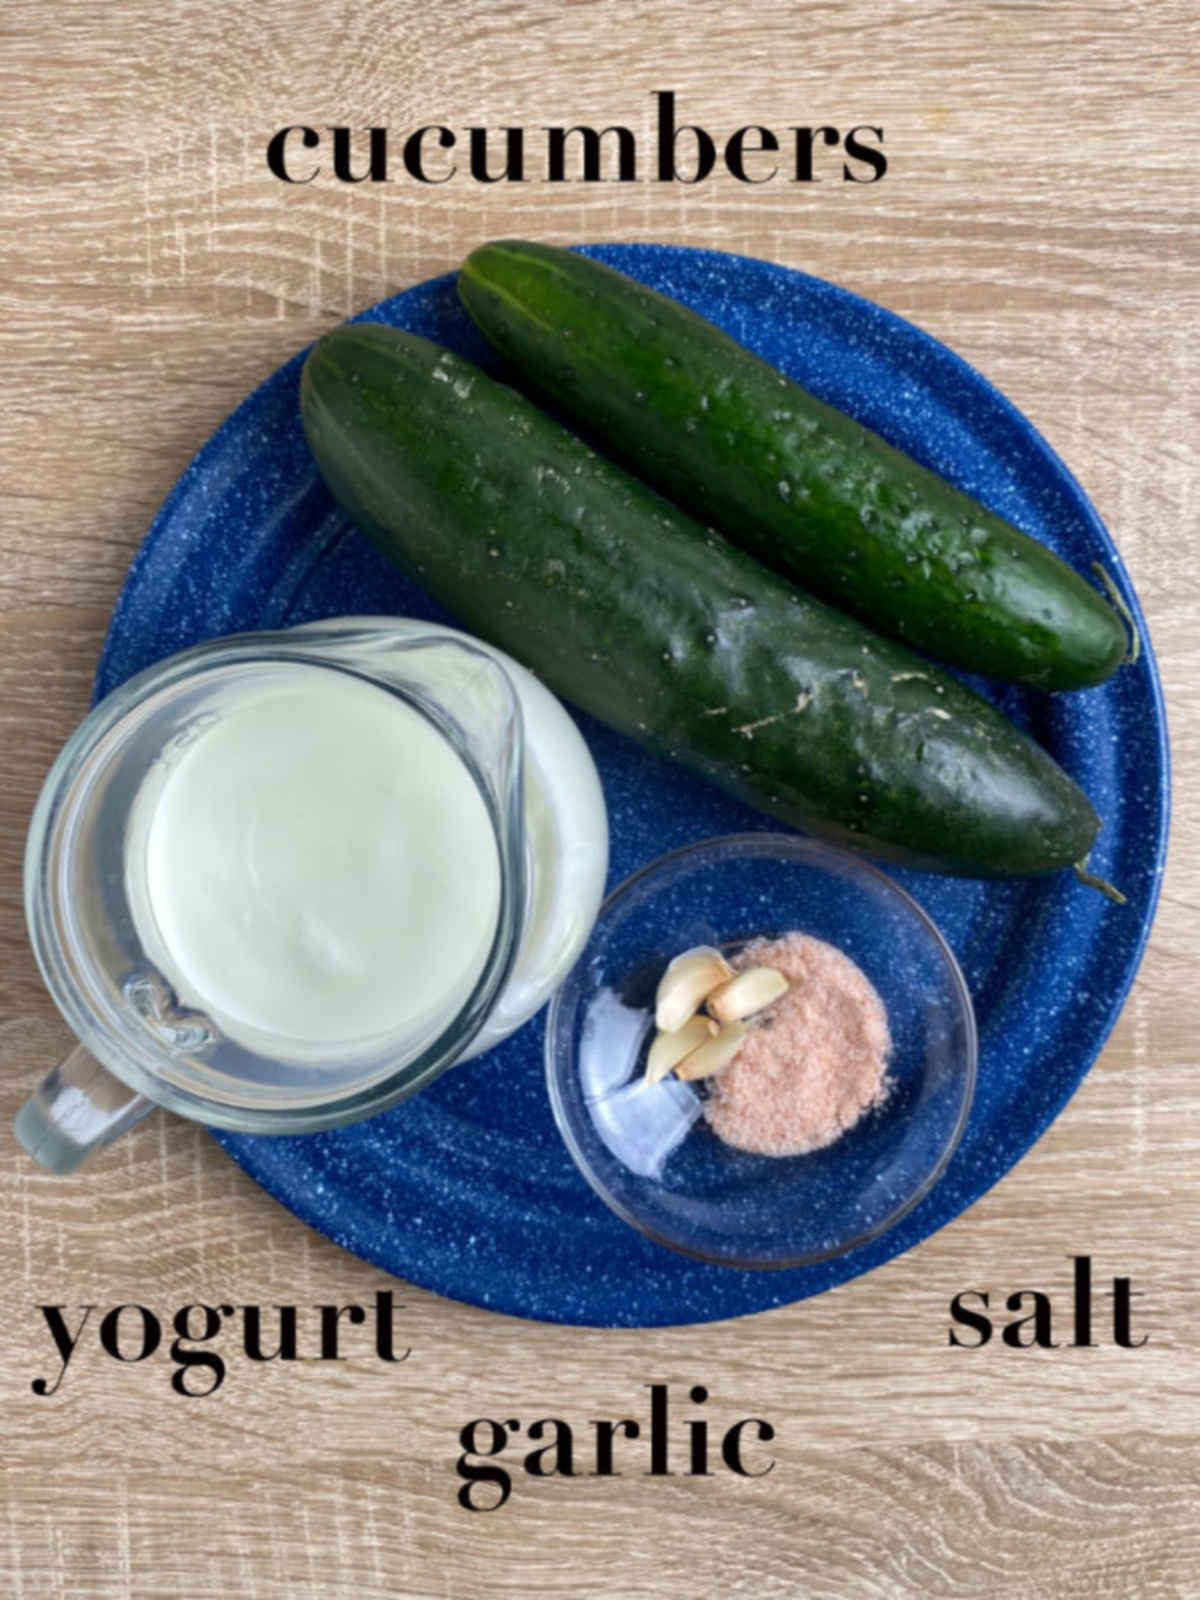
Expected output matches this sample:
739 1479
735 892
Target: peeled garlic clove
715 1055
668 1048
685 983
749 992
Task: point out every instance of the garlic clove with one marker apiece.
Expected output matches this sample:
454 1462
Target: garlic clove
668 1048
715 1055
749 992
684 985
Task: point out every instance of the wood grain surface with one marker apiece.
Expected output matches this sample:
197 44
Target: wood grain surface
1039 215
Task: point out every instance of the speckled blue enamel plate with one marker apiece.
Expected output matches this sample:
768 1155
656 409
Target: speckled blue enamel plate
468 1189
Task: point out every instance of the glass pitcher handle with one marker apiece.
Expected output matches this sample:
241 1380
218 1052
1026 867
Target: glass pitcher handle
76 1108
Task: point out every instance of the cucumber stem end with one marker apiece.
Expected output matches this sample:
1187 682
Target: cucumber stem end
1123 611
1093 882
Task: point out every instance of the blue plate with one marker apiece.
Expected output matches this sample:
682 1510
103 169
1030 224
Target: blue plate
467 1189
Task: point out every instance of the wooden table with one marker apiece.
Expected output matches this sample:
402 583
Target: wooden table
1038 214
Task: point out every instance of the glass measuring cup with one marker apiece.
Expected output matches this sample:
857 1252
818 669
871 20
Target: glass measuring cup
139 1044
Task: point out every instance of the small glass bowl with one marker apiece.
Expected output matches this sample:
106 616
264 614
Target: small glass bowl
649 1152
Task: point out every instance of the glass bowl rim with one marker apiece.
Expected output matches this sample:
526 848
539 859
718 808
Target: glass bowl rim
814 851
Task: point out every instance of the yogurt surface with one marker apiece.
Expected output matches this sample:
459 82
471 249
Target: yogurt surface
315 866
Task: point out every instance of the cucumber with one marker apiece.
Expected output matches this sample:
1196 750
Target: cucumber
800 485
633 611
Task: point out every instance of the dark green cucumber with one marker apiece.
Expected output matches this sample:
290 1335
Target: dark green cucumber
630 609
802 486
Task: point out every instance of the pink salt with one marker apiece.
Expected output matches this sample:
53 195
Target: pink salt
813 1063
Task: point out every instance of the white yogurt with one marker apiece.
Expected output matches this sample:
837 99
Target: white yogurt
566 830
315 867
